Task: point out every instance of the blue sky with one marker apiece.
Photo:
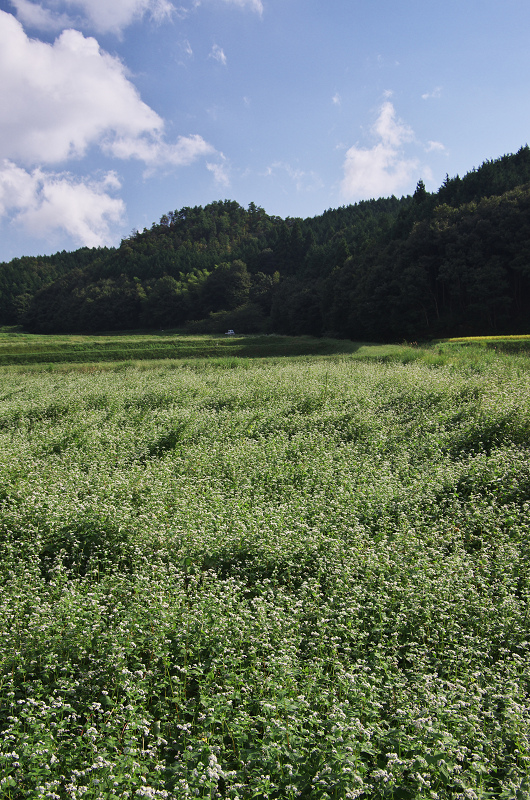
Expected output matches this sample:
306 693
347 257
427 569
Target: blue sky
113 112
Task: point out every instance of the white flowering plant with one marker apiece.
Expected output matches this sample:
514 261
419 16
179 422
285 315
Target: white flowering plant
288 579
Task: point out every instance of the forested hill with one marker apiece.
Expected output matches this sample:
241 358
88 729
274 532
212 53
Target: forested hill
431 264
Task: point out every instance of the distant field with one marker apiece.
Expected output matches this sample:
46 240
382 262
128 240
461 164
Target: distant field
115 351
24 349
266 578
514 338
506 344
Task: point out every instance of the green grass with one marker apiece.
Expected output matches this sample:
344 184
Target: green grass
90 353
23 349
270 577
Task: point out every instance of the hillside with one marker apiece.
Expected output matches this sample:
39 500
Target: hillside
432 264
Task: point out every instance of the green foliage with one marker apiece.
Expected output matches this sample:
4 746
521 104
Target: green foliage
245 319
430 265
461 270
227 287
494 177
168 304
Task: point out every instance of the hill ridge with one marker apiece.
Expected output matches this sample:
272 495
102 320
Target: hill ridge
448 262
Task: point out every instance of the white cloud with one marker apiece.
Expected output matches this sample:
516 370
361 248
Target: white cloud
303 181
220 174
102 16
105 16
435 147
46 204
254 5
336 100
114 15
437 92
155 152
218 54
57 101
17 188
185 46
383 169
36 16
181 12
391 131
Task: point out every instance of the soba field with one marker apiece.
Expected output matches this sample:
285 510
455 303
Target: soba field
301 575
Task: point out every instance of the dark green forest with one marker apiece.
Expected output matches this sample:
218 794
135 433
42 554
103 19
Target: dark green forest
451 262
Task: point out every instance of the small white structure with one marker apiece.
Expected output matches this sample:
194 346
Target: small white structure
230 333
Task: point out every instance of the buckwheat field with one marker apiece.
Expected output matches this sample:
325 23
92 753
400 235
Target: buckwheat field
288 579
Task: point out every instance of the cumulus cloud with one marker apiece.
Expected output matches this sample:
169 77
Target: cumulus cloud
103 16
36 16
383 169
46 203
391 131
218 54
58 100
336 99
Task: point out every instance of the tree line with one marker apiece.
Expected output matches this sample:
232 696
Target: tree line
431 264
